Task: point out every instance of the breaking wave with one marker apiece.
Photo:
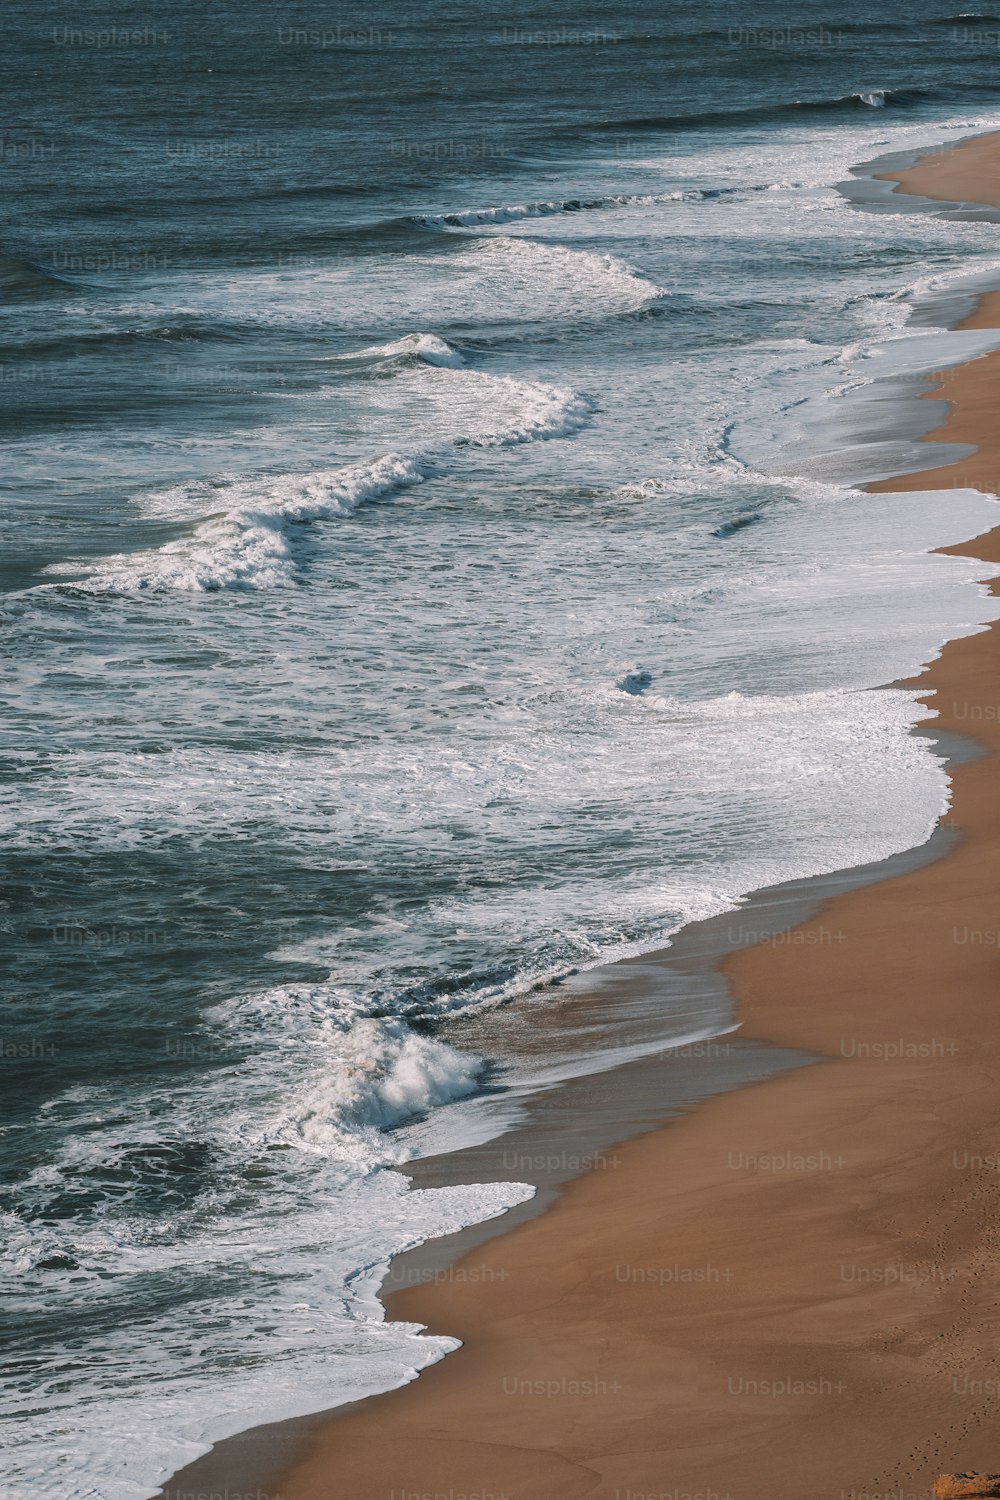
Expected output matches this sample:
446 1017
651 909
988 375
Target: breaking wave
766 114
250 539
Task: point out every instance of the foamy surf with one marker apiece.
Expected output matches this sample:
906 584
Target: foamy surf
249 542
350 1077
425 347
499 279
510 213
162 1403
585 282
305 1102
249 545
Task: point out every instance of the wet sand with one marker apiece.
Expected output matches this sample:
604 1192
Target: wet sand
792 1289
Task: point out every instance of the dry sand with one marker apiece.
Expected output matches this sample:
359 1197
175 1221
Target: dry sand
792 1292
966 173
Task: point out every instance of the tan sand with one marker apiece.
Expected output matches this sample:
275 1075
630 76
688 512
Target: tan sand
792 1292
966 173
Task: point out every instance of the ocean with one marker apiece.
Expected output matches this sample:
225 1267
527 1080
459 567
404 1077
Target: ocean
432 564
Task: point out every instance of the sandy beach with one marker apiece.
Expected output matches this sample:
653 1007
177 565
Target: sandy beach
792 1289
969 172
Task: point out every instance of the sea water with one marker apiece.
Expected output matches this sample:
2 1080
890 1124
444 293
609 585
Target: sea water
427 569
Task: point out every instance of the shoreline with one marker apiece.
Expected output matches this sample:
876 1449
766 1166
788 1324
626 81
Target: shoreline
524 1315
966 175
586 1112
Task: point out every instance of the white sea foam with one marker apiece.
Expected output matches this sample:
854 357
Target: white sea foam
248 544
509 213
836 770
152 1404
358 1075
426 347
248 541
383 1075
590 284
319 1086
500 279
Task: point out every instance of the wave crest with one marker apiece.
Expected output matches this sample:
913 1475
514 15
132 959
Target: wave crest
509 213
375 1076
765 114
249 541
425 348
